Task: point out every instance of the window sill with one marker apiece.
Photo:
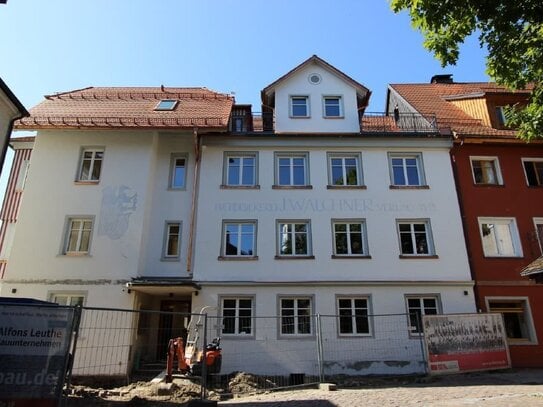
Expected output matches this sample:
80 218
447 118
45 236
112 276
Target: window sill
535 186
177 188
409 187
419 257
349 336
87 182
294 257
333 117
521 342
237 258
481 185
299 117
75 255
223 186
170 259
350 256
503 257
292 186
346 187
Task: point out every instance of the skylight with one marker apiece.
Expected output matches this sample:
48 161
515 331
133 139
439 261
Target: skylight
166 104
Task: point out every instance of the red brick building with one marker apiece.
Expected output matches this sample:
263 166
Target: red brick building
499 181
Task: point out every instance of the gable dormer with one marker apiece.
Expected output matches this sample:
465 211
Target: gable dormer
315 97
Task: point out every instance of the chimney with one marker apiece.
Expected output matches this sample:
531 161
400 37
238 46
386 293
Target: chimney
445 78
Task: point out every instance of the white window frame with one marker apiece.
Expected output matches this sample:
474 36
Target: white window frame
532 333
415 331
242 156
532 160
513 234
406 156
239 223
166 105
348 223
296 316
496 166
291 156
238 332
292 235
291 106
353 316
343 157
173 167
538 224
93 160
340 114
70 220
412 232
167 236
69 296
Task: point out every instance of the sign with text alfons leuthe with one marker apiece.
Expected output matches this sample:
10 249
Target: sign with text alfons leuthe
34 349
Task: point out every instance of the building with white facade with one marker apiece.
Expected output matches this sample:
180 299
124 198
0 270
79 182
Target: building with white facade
179 199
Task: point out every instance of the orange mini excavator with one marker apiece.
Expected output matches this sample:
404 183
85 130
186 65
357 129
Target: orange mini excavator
189 358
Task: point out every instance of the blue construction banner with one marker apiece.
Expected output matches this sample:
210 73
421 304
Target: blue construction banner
34 351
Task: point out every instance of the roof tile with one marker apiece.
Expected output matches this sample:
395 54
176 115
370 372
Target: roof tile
432 98
131 107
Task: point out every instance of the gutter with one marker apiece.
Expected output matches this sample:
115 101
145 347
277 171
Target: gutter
22 113
194 203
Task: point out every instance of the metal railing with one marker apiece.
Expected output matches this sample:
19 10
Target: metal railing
398 123
370 122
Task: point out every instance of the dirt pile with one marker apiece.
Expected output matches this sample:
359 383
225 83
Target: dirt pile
245 383
140 394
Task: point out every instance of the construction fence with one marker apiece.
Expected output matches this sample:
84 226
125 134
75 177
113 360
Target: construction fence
276 351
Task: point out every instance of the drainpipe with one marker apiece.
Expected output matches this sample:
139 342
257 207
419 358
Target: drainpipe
195 183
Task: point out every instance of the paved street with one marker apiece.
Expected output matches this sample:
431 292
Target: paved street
515 388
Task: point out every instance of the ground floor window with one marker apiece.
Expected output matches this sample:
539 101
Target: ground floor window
237 316
68 299
353 316
517 318
417 306
295 315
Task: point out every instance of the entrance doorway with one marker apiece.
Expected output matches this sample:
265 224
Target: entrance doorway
172 323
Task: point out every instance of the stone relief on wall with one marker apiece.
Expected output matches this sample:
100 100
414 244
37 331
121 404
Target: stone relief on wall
118 203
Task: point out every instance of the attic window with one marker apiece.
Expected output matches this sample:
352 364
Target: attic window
314 79
166 104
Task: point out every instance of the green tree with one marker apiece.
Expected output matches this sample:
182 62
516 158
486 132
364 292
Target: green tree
512 32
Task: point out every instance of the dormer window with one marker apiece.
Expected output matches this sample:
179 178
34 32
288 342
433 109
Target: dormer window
332 106
299 106
500 115
166 104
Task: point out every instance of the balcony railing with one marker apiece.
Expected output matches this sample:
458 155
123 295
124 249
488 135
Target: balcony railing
398 123
371 122
245 122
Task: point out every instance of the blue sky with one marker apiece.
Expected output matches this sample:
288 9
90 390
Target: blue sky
236 46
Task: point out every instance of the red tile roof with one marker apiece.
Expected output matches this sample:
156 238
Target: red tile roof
433 98
379 124
131 108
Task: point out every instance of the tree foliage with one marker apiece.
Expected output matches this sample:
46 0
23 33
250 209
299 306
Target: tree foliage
511 31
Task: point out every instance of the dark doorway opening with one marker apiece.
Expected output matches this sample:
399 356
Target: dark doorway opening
172 323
